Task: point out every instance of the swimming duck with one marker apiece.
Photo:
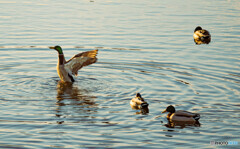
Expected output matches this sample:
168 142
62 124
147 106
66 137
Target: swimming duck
138 102
201 36
181 116
68 69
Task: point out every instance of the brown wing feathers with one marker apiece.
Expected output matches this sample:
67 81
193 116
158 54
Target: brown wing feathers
82 59
90 54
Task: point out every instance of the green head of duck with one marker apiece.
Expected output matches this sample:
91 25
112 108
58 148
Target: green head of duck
57 48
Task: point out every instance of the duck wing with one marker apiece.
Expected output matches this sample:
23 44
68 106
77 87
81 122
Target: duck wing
80 60
205 32
185 113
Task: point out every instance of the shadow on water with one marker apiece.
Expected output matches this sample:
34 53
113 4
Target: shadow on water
73 102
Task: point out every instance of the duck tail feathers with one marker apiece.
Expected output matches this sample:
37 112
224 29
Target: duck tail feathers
144 105
197 117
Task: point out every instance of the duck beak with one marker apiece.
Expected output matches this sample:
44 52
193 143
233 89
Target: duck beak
164 111
51 47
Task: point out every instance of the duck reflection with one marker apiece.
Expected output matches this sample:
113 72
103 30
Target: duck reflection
71 100
173 124
143 111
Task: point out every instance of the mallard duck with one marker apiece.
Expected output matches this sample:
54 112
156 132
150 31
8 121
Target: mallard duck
181 116
138 102
201 36
68 69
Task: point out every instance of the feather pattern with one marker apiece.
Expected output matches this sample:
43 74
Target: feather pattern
184 113
80 60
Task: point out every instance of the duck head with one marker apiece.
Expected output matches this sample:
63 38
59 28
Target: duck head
197 28
138 95
58 49
169 109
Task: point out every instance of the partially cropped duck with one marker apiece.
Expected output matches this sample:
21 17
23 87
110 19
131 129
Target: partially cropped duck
138 102
68 69
181 116
201 36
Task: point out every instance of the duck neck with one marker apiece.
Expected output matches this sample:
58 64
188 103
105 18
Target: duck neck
169 115
61 59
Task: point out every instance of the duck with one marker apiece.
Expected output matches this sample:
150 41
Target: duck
138 102
180 115
201 36
68 70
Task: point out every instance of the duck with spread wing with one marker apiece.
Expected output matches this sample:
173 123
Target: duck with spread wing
68 69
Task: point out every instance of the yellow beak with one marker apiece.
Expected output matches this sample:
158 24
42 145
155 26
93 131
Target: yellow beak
164 111
51 47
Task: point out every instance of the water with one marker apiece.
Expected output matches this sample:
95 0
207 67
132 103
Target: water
144 46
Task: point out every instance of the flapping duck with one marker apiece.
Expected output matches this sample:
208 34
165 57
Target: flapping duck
68 69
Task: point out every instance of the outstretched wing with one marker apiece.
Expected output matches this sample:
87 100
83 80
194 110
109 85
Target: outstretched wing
80 60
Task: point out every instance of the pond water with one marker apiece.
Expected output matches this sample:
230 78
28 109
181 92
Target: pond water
144 46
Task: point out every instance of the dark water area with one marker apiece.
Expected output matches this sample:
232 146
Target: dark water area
144 46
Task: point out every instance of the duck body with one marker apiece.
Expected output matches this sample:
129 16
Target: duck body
201 36
138 102
64 73
181 116
67 70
